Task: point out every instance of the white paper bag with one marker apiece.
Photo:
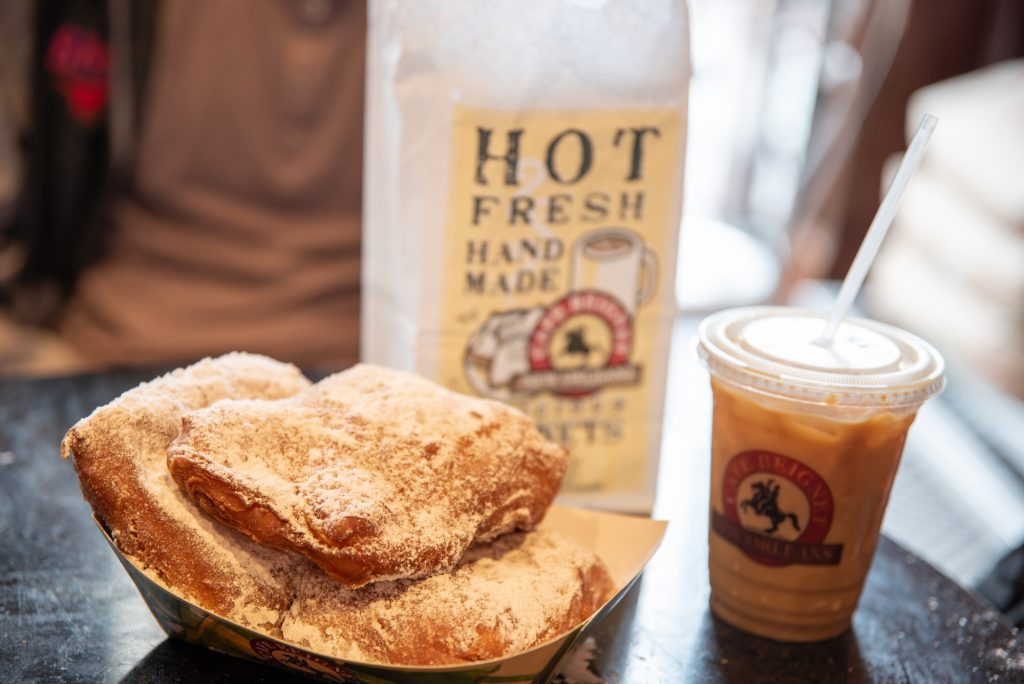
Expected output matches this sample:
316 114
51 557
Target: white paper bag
524 172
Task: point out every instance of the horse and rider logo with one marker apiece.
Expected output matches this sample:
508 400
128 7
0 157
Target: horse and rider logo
776 510
576 342
765 502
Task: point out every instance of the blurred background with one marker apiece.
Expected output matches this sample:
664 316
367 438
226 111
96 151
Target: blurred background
799 110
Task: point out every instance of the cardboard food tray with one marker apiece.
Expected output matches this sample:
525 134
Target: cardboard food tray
625 544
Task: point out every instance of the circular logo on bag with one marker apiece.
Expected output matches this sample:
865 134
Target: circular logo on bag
777 510
580 341
296 659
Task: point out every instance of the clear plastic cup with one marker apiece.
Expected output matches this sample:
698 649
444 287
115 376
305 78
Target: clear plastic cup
805 443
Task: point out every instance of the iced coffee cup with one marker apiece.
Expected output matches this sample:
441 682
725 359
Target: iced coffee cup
806 439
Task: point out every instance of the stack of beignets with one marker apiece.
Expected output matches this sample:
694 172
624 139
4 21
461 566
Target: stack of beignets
379 477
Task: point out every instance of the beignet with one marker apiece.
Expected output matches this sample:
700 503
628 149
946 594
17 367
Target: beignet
505 597
120 454
372 473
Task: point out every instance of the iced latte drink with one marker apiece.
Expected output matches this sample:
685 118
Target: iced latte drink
806 439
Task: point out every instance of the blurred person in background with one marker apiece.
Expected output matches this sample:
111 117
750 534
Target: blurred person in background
190 184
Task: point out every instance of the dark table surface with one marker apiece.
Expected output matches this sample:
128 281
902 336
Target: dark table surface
68 612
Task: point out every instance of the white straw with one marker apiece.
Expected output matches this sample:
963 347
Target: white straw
879 227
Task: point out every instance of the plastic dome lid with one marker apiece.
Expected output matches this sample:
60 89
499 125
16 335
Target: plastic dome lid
776 350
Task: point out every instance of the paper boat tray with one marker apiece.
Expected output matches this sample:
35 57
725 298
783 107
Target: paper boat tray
624 543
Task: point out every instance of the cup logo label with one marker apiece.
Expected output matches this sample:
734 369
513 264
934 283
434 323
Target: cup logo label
777 510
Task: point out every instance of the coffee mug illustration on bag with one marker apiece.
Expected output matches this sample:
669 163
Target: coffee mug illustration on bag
615 261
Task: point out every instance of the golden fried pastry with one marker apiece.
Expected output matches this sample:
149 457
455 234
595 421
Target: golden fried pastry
120 453
373 474
504 598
